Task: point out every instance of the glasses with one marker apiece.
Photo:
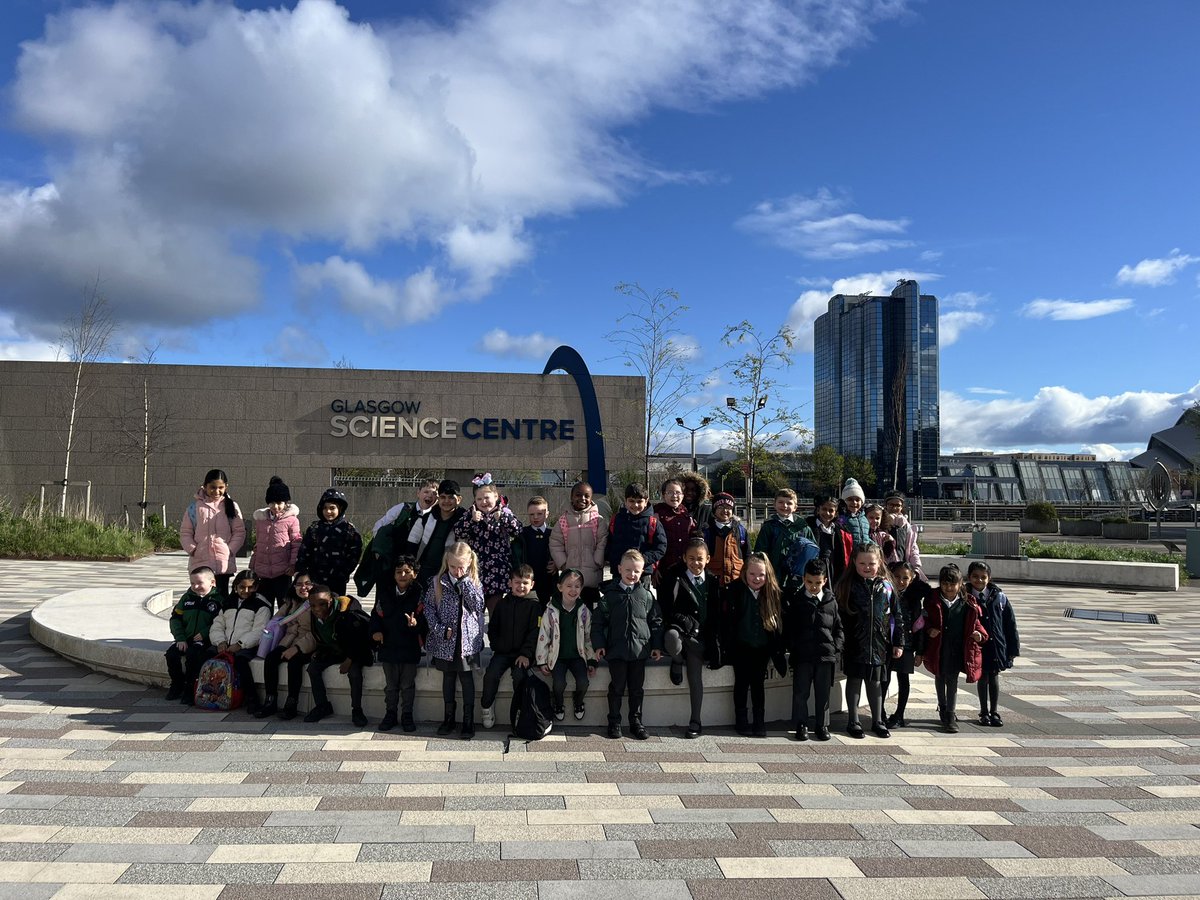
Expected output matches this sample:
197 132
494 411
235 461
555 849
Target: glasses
303 585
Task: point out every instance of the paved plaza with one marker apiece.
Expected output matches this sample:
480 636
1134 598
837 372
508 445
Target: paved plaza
1092 789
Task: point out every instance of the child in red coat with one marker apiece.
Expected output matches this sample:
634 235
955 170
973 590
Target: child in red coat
954 636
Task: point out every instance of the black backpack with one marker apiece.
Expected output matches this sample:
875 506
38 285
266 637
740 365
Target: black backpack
535 716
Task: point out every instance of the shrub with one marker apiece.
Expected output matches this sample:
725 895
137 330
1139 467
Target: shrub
162 536
1116 520
1041 511
54 537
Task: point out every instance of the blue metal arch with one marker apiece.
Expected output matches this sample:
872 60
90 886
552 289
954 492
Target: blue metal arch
568 360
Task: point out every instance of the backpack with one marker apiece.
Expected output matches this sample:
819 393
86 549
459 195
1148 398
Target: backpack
799 552
217 687
651 527
535 715
272 632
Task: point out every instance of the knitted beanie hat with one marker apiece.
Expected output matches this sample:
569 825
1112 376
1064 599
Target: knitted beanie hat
277 491
851 489
723 499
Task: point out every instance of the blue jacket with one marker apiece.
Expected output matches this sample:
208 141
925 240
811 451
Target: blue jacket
996 615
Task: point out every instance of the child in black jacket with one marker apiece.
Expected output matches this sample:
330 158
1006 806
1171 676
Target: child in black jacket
636 528
512 635
531 547
812 628
912 592
691 609
996 614
398 629
332 545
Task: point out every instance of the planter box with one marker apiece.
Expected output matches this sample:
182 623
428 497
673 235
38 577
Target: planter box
1080 527
1039 526
1127 531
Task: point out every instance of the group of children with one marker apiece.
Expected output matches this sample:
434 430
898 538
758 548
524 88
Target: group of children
842 589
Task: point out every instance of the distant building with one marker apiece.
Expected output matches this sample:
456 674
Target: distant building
875 384
1061 478
1177 447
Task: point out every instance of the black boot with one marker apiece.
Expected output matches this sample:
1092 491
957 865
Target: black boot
468 725
389 721
268 709
407 722
740 723
448 722
175 691
289 708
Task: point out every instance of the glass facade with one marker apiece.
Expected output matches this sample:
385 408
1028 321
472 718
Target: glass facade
875 383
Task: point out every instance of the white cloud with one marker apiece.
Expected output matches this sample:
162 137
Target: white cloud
417 298
1109 452
182 137
819 228
1058 415
527 346
1073 310
930 255
994 392
811 304
1156 272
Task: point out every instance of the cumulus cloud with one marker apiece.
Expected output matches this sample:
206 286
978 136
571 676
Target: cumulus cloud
184 137
819 227
993 392
1156 272
499 342
811 304
960 312
1073 310
1058 415
1109 452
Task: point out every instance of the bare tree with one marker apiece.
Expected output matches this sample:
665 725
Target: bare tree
84 340
652 344
343 362
141 425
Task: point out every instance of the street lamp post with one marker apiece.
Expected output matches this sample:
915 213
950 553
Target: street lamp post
703 422
748 430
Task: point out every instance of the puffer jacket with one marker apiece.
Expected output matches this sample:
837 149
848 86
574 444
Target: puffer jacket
873 623
209 537
276 541
460 610
193 615
549 641
776 537
679 526
812 627
627 624
905 535
727 550
241 623
996 614
935 611
330 551
578 541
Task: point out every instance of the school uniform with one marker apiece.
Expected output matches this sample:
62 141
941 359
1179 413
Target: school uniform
812 628
691 612
627 625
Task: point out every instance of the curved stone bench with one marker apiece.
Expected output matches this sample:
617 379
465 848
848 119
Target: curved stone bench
124 633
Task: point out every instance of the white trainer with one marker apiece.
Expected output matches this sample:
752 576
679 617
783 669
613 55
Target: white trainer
489 717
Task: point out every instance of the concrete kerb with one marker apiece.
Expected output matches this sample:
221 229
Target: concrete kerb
1134 576
122 633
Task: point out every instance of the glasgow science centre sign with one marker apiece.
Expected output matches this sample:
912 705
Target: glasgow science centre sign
402 419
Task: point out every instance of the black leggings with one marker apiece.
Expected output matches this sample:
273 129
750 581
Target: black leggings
467 681
296 664
989 692
903 687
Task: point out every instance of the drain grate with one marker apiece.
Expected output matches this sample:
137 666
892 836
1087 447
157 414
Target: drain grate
1112 615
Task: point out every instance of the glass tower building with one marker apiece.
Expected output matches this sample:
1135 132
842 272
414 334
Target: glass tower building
875 384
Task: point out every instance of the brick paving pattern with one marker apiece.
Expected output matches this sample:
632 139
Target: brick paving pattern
1092 788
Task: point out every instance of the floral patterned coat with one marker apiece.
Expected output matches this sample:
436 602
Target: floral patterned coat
445 614
491 539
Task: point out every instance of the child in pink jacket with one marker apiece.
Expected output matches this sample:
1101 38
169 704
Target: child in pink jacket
212 530
277 538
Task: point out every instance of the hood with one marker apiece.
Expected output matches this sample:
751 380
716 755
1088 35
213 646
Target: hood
333 495
700 483
264 514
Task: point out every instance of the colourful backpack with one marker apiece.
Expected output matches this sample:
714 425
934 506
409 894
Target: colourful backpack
217 688
799 552
272 632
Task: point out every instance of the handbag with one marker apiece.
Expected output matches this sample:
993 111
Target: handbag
272 632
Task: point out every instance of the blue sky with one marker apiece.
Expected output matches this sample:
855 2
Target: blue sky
462 186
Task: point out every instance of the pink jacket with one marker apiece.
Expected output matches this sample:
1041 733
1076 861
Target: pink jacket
209 537
276 541
578 541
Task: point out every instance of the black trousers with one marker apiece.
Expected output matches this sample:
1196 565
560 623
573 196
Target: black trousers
578 668
494 674
316 677
626 675
184 665
295 665
815 678
947 694
275 589
400 683
749 676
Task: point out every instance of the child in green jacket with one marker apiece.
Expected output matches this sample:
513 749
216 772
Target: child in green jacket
191 620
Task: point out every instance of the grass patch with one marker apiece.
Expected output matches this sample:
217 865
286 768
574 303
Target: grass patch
54 537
